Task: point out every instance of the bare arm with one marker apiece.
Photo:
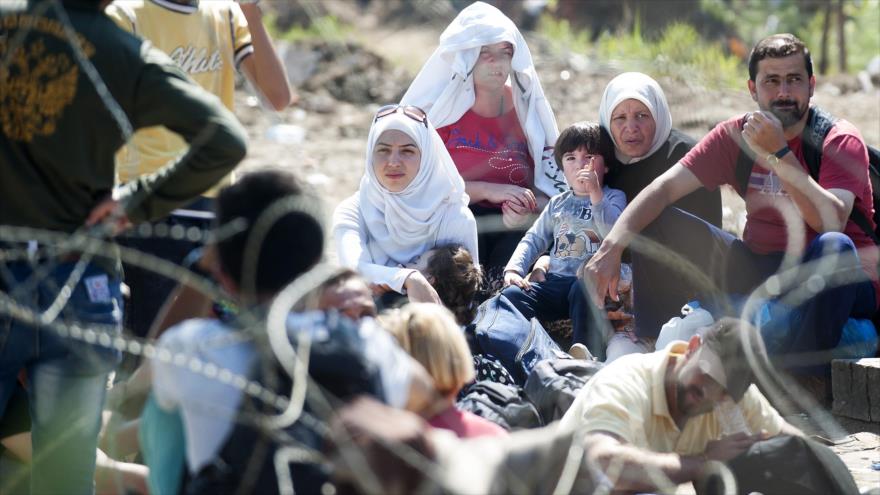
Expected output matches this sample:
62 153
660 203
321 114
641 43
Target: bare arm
603 270
264 68
824 210
635 469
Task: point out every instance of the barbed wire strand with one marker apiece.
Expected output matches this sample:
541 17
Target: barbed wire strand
147 349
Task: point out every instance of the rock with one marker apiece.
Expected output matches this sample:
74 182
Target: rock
300 61
873 69
344 71
865 81
286 133
856 388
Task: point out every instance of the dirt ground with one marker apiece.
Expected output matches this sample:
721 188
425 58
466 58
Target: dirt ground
322 139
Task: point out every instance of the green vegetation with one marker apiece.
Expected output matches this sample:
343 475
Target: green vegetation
327 28
679 50
754 19
561 36
862 36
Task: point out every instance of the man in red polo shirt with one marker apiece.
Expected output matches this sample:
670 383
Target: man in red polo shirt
800 245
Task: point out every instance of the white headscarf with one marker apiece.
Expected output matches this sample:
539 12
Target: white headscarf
637 86
403 225
445 85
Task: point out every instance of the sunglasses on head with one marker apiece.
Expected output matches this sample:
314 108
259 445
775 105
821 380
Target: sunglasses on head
410 111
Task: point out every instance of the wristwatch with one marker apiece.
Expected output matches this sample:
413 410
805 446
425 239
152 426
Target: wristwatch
773 158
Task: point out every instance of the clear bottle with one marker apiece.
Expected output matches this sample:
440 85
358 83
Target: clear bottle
693 320
730 418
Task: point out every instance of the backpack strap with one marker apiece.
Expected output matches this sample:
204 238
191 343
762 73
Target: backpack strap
744 165
819 124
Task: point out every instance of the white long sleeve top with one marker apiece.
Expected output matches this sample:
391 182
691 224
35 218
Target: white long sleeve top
354 249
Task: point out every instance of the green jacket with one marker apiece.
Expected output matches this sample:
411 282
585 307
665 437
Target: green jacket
59 136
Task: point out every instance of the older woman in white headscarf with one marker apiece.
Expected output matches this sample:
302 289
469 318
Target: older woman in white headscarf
481 90
411 199
635 113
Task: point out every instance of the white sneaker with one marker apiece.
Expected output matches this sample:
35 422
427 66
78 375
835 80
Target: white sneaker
580 351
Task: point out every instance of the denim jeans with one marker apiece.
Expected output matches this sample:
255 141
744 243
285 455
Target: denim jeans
66 377
557 298
722 268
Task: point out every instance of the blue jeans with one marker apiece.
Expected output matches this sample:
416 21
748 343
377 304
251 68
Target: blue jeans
66 377
557 298
721 266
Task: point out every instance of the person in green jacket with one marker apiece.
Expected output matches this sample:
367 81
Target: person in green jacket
73 87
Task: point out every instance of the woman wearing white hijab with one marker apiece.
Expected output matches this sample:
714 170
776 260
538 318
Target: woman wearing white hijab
635 113
411 199
481 90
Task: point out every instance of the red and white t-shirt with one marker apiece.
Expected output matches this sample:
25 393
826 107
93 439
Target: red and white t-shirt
490 149
844 166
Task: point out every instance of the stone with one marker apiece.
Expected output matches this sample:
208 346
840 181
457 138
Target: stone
856 388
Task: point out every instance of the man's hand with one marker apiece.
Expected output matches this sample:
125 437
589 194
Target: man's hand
763 132
418 289
731 446
602 272
109 211
513 278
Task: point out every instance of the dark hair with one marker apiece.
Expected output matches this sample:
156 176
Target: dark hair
583 134
456 280
778 46
268 216
728 338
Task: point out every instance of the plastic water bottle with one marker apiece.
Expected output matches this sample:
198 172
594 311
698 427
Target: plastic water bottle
730 418
693 321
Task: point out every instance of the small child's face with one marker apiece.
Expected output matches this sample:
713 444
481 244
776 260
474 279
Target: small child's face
584 170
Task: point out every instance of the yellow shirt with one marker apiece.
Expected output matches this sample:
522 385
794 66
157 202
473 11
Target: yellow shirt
208 42
627 398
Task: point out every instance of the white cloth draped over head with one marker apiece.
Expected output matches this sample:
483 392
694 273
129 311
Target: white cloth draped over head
403 225
641 87
445 85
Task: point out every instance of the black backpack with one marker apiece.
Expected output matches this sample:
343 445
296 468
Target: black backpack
819 124
554 384
504 405
788 464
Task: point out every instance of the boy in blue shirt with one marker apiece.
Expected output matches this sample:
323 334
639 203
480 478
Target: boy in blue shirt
572 226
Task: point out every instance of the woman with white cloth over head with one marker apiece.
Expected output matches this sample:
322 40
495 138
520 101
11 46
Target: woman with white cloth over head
411 199
481 90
